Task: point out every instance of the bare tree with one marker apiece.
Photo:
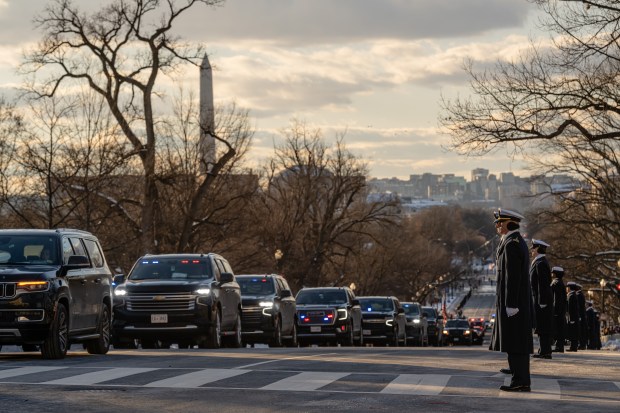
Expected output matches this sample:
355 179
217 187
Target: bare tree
315 205
120 51
559 105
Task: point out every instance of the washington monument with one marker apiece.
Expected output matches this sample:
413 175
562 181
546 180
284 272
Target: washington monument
207 117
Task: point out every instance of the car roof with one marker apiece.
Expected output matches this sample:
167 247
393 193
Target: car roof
198 255
34 231
257 275
376 297
323 288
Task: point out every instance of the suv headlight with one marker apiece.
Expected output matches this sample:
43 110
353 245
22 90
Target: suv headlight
343 314
267 306
416 321
203 291
389 322
33 286
120 292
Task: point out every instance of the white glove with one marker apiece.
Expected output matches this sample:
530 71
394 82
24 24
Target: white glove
511 311
542 305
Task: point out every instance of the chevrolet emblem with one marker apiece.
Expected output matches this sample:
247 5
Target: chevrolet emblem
159 298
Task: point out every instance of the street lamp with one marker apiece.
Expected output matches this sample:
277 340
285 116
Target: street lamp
278 254
602 295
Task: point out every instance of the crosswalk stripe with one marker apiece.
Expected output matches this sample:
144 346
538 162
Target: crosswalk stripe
20 371
305 381
417 384
197 378
99 376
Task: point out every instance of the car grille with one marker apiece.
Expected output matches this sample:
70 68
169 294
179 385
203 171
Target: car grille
7 290
182 301
251 315
317 317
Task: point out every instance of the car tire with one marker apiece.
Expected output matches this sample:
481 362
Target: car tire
276 338
349 339
214 333
293 341
395 340
235 340
360 340
57 341
101 345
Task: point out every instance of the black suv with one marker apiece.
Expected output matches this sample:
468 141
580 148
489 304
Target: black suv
186 299
328 315
435 326
383 320
55 289
268 310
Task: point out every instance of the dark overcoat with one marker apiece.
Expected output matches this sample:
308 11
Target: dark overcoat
559 308
583 322
540 278
573 316
513 334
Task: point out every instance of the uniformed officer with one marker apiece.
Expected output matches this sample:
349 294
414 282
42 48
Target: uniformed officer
540 279
512 330
573 316
583 322
594 333
559 308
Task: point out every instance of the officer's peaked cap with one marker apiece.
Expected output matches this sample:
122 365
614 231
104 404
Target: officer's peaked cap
507 215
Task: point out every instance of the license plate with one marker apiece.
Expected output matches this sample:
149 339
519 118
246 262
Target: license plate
159 318
315 329
456 339
366 332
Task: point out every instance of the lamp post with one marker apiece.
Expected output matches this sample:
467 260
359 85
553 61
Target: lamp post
278 256
602 295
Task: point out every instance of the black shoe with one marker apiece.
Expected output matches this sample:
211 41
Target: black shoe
557 350
516 388
572 349
542 356
505 371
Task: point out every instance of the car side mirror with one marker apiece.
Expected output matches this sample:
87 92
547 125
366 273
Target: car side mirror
400 311
355 301
118 279
425 315
286 294
226 277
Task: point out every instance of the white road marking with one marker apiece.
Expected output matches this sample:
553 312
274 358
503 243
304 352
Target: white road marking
417 384
307 381
99 376
284 359
197 378
25 370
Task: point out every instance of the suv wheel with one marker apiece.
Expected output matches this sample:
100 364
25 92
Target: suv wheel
395 339
235 340
101 345
214 334
360 340
57 341
293 341
276 339
348 339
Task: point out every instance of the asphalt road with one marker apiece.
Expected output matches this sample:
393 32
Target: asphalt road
314 379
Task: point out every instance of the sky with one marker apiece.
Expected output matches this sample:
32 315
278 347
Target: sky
374 70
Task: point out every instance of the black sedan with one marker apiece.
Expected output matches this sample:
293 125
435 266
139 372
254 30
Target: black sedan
458 332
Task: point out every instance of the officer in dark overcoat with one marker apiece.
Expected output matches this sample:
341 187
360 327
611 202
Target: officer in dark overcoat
594 329
573 316
512 330
558 290
583 322
540 279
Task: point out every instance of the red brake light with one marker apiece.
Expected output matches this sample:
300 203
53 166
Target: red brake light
184 261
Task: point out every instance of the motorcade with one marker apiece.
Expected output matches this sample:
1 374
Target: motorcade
383 320
458 331
269 310
187 299
417 325
55 290
328 315
435 326
478 324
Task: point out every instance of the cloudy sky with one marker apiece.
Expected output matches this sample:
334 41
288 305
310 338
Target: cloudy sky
373 68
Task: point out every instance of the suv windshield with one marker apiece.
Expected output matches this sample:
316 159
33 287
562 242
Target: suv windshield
255 286
411 309
370 305
430 311
457 324
321 297
171 269
29 249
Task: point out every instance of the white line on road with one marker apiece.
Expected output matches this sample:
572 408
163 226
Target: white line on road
100 376
25 370
417 384
197 378
305 381
285 359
